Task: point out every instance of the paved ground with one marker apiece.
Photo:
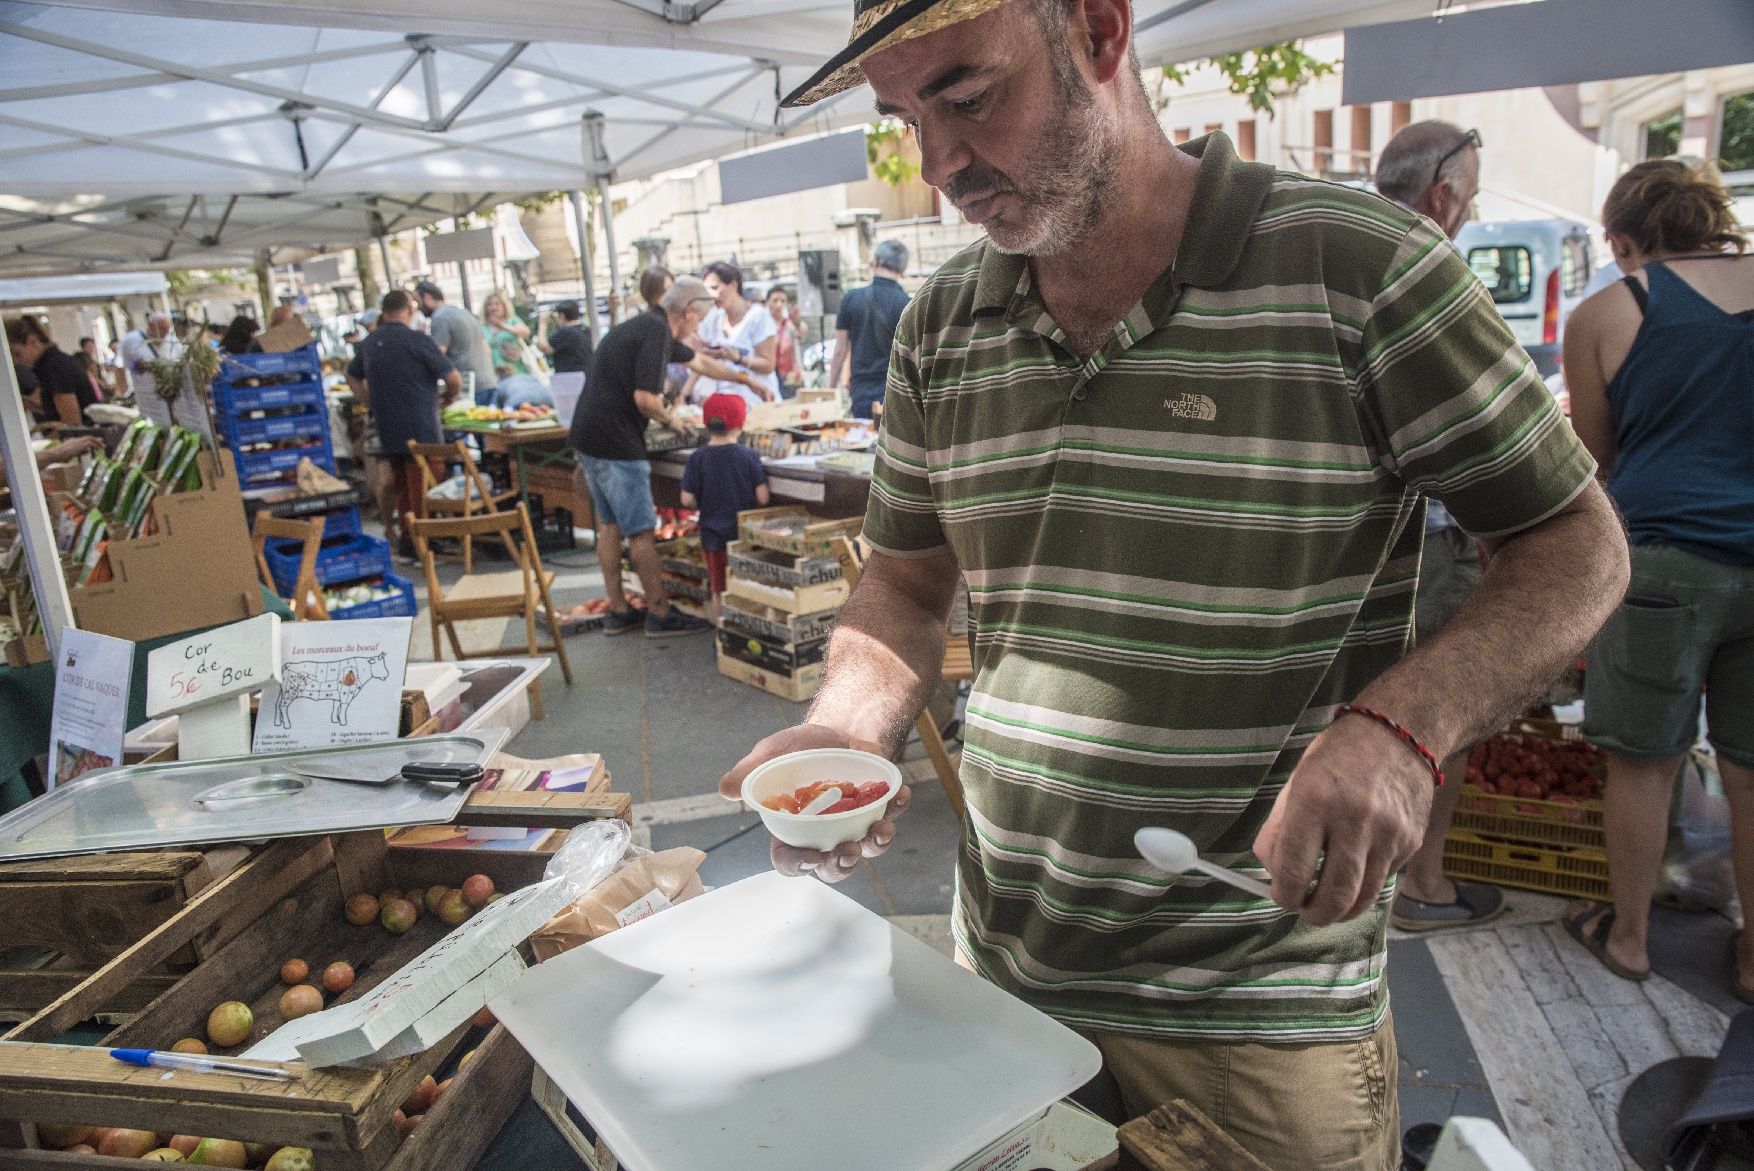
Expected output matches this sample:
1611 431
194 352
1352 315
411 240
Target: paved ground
1513 1023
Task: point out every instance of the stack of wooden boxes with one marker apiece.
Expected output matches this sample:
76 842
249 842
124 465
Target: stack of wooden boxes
784 590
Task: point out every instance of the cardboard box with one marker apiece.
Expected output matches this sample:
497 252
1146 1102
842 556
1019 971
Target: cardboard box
791 412
797 687
790 528
781 569
805 601
198 570
786 658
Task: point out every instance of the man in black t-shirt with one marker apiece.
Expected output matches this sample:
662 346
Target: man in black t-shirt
625 390
568 347
396 370
65 389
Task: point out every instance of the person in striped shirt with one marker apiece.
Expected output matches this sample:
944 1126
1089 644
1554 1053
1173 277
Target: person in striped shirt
1176 419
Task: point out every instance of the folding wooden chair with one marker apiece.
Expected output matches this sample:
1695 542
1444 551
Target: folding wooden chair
512 593
958 666
307 595
477 498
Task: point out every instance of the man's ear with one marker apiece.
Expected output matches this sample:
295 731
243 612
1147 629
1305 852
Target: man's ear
1106 27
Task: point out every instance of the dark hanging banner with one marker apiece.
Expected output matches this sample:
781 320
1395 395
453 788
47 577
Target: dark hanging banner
818 162
1554 42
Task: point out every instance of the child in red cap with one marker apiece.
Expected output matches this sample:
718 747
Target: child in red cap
722 479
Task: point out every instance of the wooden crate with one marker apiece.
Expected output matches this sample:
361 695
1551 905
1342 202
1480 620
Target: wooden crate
796 688
789 528
783 581
87 911
286 901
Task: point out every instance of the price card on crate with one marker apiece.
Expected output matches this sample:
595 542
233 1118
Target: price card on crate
207 680
91 704
340 683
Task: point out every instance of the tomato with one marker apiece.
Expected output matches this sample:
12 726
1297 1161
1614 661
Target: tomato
842 806
872 791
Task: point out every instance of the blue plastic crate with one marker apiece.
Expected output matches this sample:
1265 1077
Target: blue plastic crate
400 606
344 557
304 360
313 424
266 465
342 522
231 400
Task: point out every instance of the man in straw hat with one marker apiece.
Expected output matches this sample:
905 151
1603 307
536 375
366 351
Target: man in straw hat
1175 419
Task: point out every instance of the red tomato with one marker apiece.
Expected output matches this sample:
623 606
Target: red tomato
841 806
872 791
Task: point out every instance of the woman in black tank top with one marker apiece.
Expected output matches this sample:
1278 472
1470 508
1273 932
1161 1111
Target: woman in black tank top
1661 374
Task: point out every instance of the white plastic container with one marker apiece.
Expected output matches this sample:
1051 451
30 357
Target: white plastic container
819 831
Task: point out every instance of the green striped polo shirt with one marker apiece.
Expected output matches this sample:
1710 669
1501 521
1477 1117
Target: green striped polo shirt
1182 552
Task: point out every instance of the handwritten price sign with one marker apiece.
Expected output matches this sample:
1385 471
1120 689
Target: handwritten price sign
217 664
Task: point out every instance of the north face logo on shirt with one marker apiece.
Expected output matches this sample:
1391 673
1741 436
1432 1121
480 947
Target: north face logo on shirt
1192 406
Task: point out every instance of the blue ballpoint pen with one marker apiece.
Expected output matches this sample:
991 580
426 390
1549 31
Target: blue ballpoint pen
199 1064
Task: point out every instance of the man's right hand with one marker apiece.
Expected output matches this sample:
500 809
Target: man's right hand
844 859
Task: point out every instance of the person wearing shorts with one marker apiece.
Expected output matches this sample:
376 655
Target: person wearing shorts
608 432
1659 367
722 479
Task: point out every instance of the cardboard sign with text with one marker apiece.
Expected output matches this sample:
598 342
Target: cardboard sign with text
91 704
340 683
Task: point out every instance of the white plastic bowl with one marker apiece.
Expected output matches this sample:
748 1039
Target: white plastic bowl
819 831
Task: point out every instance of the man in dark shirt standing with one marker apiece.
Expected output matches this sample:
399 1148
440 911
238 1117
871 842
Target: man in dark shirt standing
624 390
397 370
865 329
568 347
66 391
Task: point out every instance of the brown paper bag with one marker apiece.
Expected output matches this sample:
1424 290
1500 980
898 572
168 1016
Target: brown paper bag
642 888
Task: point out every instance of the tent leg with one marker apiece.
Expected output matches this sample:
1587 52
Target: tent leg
35 526
578 221
609 246
384 255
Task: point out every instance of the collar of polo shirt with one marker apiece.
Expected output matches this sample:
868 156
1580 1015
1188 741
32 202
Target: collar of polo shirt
1227 199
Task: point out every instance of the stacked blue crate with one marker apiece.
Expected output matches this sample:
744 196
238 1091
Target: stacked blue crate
273 414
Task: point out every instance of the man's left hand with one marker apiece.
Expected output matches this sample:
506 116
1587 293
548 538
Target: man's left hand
1360 796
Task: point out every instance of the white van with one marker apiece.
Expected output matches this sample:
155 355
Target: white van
1536 271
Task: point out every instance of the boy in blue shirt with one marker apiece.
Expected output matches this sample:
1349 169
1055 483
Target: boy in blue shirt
722 479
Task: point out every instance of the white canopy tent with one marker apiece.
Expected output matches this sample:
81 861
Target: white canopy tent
183 133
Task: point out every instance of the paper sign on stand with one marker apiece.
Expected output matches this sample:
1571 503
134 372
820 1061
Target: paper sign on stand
340 683
207 680
91 704
365 1027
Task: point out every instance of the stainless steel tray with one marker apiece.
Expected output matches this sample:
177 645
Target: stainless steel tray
239 798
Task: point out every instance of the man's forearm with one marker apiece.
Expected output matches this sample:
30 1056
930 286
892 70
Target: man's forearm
887 652
1546 592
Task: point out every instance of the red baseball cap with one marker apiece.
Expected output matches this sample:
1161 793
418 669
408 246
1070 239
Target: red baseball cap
726 410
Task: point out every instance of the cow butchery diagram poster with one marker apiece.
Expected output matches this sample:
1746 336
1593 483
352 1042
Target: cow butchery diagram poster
340 683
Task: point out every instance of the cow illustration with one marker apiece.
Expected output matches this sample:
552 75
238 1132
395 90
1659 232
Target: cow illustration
338 682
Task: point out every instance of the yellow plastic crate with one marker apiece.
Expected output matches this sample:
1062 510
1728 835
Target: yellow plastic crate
1525 819
1560 870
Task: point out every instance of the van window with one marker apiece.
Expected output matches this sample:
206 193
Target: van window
1574 265
1507 272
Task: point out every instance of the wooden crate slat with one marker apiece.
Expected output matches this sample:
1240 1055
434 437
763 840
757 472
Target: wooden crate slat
459 1129
259 883
90 920
152 866
24 991
540 809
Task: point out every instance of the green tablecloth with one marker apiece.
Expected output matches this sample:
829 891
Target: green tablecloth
27 705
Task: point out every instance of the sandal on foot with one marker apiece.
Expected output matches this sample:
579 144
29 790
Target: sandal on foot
1595 939
1475 903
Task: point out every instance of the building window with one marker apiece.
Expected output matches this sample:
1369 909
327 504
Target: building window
1735 138
1400 115
1324 140
1181 134
1214 127
1245 140
1360 138
1662 136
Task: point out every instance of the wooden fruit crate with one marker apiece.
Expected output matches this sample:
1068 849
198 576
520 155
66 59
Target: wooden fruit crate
286 901
1554 824
789 528
798 687
87 911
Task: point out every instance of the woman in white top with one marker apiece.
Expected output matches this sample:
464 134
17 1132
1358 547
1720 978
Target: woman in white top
740 333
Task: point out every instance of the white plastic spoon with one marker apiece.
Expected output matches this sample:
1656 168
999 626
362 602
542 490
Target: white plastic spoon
1172 852
822 801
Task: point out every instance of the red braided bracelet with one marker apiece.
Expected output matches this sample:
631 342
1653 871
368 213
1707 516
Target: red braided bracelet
1412 741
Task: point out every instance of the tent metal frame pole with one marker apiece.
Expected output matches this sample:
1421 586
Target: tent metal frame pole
578 222
384 256
35 526
597 159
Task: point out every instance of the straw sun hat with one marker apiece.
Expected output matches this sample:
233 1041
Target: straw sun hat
878 24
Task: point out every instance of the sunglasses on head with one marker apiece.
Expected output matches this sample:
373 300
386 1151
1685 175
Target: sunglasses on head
1471 138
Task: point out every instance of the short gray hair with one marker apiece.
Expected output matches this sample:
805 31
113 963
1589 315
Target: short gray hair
685 292
1408 164
890 254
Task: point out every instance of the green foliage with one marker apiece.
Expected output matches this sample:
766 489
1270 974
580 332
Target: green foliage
536 204
1263 75
883 148
182 283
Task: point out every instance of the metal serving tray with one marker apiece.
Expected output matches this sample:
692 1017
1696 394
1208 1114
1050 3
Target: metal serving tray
240 798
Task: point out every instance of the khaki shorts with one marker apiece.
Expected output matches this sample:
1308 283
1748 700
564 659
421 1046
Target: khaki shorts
1687 622
1327 1107
1449 570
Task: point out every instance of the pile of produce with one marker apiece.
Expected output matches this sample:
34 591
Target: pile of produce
1538 769
850 796
458 414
